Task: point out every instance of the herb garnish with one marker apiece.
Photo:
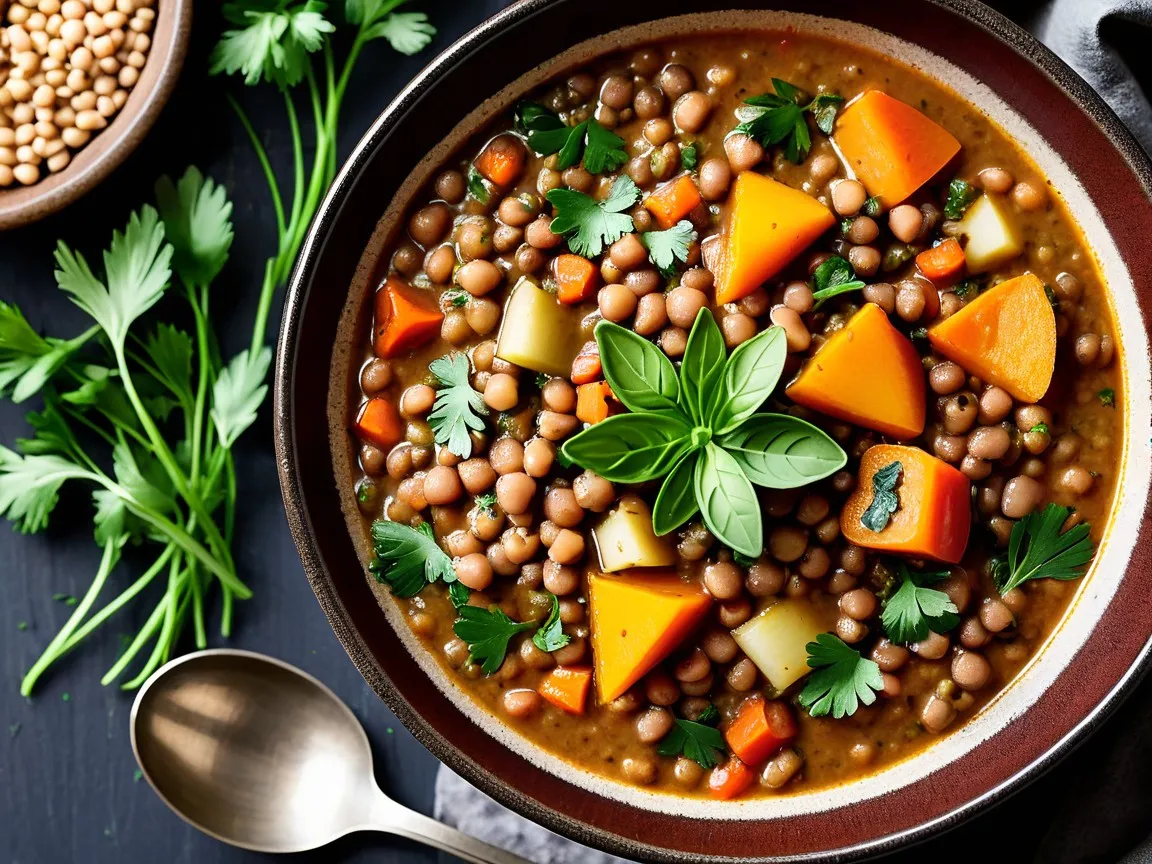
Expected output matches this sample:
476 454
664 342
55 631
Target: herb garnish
914 609
966 288
919 333
961 194
477 188
884 500
774 118
842 680
590 225
667 247
458 593
690 156
834 276
603 151
699 429
551 636
1053 301
487 632
1107 397
66 599
456 299
1040 429
871 206
487 503
407 558
1037 550
542 379
696 739
458 408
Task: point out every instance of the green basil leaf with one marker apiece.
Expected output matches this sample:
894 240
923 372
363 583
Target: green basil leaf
631 448
676 503
702 369
640 374
782 452
728 502
750 376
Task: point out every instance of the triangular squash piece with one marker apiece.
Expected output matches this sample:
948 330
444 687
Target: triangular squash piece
768 224
637 621
1007 336
867 373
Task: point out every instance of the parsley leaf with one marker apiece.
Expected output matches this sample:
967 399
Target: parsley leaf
198 223
834 276
603 150
487 503
590 225
272 41
871 206
28 360
699 742
170 351
551 636
1040 429
476 186
239 392
690 156
487 632
457 299
30 487
1037 550
408 558
1107 397
961 194
824 108
842 680
458 407
775 118
458 593
407 32
667 247
884 500
914 609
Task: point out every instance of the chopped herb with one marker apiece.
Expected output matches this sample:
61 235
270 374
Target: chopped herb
487 503
697 741
407 558
458 593
967 287
456 299
476 185
1050 293
884 500
709 716
690 156
833 277
915 609
1037 550
603 151
590 225
487 633
542 379
21 625
845 226
775 118
871 206
66 599
961 194
1040 429
919 333
1107 397
551 636
665 248
137 776
842 680
388 730
65 696
458 408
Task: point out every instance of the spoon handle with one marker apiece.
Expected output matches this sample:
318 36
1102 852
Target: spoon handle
393 818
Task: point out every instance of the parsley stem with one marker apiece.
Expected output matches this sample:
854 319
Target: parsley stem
297 162
262 156
200 314
171 602
200 637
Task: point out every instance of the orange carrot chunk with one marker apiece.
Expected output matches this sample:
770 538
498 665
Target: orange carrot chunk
576 278
566 687
942 263
730 779
891 147
933 506
1007 336
592 402
380 424
867 373
674 200
502 160
586 367
406 318
767 225
760 729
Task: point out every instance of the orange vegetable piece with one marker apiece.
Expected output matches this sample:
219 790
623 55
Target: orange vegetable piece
592 402
406 318
576 278
502 160
759 730
942 263
637 621
566 687
587 368
1006 336
768 224
380 424
867 373
674 200
730 779
892 148
933 515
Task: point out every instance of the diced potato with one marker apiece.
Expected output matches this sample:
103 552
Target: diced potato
539 332
992 233
625 538
776 640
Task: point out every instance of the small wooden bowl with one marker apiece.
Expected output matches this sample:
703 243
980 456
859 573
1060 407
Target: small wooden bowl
23 205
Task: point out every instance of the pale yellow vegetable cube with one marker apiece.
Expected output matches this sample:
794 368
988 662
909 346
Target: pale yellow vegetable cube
539 332
992 234
625 538
776 640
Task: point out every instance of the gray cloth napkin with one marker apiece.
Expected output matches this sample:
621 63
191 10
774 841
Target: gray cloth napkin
1078 31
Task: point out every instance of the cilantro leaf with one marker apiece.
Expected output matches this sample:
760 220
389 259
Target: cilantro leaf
273 40
667 247
834 276
551 636
458 593
170 351
239 392
603 150
407 558
1037 550
699 742
30 487
487 633
779 118
961 194
198 223
884 500
458 407
915 609
842 680
407 32
143 478
590 225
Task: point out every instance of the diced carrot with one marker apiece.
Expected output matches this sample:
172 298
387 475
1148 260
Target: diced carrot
586 367
566 687
380 424
406 318
1007 336
891 147
637 621
730 779
867 373
673 200
502 160
576 278
760 729
933 512
592 402
767 225
942 263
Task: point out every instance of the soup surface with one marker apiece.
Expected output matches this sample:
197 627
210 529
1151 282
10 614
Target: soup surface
738 416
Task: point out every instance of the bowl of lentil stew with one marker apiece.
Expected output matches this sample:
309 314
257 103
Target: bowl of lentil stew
885 641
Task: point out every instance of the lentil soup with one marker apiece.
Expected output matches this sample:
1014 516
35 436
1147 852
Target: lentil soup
738 416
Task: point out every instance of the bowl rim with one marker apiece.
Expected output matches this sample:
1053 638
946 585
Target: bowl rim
999 28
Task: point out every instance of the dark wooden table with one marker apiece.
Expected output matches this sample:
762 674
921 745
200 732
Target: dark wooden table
67 788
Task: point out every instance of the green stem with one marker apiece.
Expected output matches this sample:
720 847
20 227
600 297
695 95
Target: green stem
176 581
200 634
297 168
266 165
200 313
132 650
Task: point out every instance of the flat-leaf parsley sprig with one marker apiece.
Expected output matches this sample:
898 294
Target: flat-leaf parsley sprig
779 118
592 225
1037 549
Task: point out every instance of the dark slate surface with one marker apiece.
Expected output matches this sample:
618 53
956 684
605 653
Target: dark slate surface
67 792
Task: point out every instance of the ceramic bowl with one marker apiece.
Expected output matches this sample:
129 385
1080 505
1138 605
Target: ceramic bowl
1082 672
23 205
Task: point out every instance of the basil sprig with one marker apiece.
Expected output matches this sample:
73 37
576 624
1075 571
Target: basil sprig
700 430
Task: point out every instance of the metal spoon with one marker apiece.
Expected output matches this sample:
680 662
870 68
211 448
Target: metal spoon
263 756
